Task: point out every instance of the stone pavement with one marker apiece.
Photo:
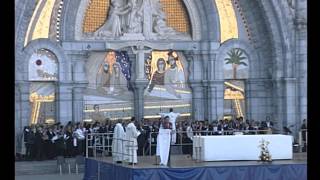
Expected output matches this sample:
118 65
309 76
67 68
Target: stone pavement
50 177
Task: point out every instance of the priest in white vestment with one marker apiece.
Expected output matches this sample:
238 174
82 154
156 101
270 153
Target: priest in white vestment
118 143
163 141
172 118
132 144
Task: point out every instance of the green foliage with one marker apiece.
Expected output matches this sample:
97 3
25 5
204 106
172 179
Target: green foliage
235 57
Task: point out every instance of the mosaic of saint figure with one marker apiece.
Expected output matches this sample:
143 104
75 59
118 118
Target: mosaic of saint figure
167 76
174 76
157 77
114 73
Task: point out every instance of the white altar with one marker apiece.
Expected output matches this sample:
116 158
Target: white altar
240 147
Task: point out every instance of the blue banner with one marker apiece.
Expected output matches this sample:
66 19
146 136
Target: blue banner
107 171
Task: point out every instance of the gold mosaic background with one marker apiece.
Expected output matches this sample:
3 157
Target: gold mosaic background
95 15
177 16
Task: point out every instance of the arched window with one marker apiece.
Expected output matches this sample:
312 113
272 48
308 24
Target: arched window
43 72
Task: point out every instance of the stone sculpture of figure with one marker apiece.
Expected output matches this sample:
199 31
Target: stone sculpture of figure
115 23
135 17
161 28
291 3
156 8
292 7
127 18
159 20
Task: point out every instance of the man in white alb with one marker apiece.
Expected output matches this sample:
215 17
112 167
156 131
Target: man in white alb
118 143
163 141
172 118
132 145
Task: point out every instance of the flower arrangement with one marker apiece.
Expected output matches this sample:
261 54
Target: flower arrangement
264 155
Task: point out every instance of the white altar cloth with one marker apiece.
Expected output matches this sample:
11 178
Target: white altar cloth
241 147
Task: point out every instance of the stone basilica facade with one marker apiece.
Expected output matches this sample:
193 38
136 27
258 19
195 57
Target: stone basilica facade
208 59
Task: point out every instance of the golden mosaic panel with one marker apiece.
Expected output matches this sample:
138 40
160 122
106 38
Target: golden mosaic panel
177 16
96 15
41 23
228 20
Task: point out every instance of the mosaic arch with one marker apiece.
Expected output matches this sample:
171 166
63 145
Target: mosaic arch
45 21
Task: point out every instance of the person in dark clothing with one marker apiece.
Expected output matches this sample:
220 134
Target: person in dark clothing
304 130
220 127
286 130
147 130
154 135
210 130
69 142
51 145
45 144
110 130
141 140
39 144
304 135
31 150
251 129
60 146
263 127
26 133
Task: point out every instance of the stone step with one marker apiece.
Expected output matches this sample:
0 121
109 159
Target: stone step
44 167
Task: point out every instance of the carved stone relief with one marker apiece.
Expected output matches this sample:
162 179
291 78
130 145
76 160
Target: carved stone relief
136 20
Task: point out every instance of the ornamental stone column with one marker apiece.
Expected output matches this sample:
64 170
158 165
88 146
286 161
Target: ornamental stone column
140 82
196 85
197 100
139 86
80 82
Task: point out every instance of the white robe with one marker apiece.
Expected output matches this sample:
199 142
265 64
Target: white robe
173 117
163 145
190 133
132 144
118 144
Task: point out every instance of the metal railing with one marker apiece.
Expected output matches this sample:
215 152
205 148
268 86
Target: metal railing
103 142
98 142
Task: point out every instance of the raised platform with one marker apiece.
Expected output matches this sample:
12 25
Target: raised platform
23 168
183 167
